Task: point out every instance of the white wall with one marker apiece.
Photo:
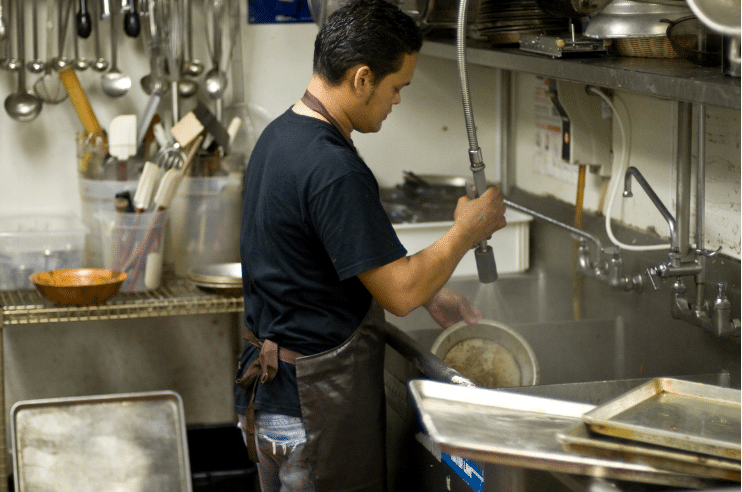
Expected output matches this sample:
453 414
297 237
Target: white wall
651 123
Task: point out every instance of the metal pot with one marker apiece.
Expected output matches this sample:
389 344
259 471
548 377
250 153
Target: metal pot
572 9
634 19
489 353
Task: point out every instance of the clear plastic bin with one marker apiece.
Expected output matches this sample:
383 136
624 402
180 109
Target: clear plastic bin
97 196
31 243
133 243
204 222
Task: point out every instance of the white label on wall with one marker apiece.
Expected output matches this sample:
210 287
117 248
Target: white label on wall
547 134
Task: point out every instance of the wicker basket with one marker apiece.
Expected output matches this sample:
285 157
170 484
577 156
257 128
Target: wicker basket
645 47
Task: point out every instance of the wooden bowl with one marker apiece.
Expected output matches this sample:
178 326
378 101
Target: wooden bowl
79 286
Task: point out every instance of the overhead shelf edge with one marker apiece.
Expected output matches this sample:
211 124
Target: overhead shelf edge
665 78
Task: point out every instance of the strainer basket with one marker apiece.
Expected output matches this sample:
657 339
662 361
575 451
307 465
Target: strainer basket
695 42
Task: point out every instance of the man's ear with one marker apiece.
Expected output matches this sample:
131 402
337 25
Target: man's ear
362 80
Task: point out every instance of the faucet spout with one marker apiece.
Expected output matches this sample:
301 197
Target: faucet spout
632 171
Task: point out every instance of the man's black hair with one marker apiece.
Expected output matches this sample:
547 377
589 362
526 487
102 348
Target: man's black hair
375 33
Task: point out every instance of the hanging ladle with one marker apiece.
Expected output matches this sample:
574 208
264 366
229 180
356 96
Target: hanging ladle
215 81
22 105
114 83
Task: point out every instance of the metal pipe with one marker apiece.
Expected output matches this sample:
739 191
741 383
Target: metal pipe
671 223
545 218
683 170
700 205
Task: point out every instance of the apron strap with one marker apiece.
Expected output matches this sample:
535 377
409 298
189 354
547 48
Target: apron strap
265 366
311 101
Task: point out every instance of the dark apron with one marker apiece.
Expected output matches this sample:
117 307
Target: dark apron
344 411
341 392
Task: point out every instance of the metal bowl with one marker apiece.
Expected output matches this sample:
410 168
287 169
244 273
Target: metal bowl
489 353
78 286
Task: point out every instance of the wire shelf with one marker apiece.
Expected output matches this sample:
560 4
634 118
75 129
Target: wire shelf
176 297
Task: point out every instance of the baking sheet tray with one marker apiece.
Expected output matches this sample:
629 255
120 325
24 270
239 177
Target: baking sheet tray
579 439
133 442
506 428
694 417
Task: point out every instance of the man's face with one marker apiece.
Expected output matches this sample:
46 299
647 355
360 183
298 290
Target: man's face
385 94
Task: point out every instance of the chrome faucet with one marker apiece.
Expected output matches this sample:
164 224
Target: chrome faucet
609 272
717 319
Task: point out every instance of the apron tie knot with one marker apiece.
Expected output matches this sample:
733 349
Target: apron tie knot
266 364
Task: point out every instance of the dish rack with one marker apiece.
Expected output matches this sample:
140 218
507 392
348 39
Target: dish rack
175 297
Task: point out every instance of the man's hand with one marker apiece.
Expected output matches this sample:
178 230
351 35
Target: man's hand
481 217
447 307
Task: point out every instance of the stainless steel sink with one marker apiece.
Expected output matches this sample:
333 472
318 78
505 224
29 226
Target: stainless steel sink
599 345
605 348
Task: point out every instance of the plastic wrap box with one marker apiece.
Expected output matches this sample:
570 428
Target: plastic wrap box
34 243
510 244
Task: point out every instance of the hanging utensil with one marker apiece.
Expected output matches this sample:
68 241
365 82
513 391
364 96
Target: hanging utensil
173 37
9 62
22 105
84 23
215 81
36 65
80 63
61 61
48 87
132 24
3 24
100 64
191 66
114 83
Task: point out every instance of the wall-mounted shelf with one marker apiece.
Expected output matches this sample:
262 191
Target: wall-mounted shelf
176 297
665 78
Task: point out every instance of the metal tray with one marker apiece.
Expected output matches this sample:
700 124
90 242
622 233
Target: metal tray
496 426
694 417
133 442
579 439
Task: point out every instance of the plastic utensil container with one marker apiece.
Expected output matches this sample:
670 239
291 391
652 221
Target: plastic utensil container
133 243
97 196
204 225
32 243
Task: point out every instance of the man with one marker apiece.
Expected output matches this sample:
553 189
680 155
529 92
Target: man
320 256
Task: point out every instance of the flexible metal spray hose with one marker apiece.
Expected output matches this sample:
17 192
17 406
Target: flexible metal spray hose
483 253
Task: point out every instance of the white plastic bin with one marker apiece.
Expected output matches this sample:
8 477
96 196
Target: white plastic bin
32 243
510 244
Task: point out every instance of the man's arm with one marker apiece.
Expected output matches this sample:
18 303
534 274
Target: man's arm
407 283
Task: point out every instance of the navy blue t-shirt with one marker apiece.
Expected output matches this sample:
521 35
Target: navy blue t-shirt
312 221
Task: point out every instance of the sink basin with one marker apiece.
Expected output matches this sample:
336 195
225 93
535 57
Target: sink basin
603 343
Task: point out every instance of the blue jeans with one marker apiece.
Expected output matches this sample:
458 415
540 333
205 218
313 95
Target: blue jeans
280 440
